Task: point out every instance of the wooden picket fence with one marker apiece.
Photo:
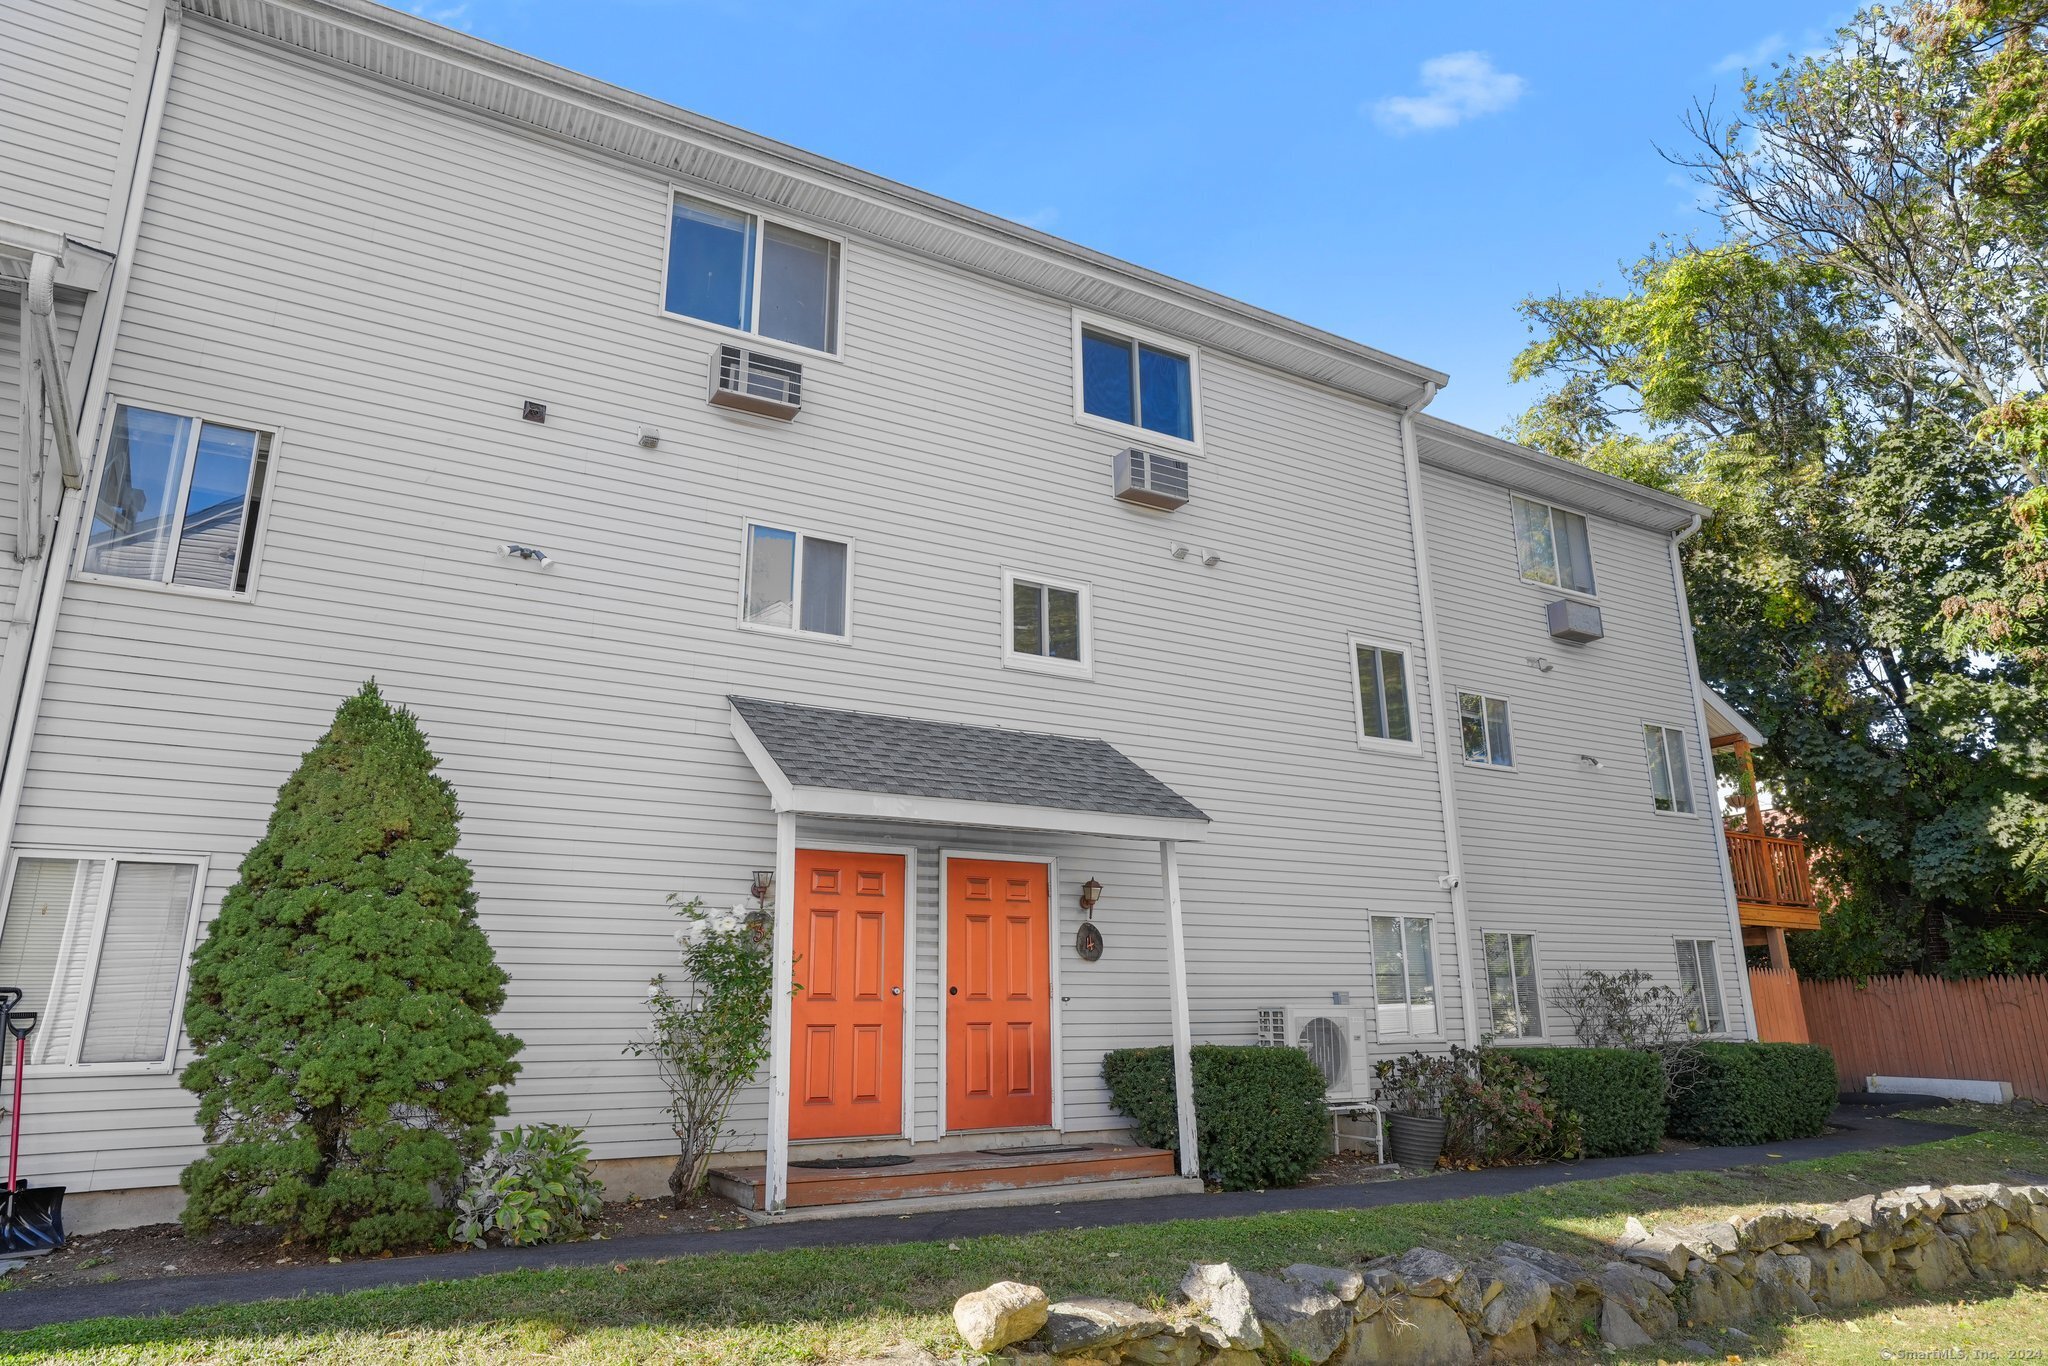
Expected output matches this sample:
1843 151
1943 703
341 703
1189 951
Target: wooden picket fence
1983 1029
1780 1013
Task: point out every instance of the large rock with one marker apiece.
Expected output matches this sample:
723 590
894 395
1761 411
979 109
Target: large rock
1225 1301
1409 1332
1707 1241
1716 1298
1781 1283
1301 1320
1074 1326
1659 1251
1931 1265
1523 1301
1343 1282
1841 1277
1004 1313
1561 1269
1775 1226
1618 1327
1427 1273
1836 1225
1161 1349
1644 1294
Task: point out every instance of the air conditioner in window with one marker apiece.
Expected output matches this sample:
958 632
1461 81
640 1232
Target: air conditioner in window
1577 622
750 382
1334 1039
1150 480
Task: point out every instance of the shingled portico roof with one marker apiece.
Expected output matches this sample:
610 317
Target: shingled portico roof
831 762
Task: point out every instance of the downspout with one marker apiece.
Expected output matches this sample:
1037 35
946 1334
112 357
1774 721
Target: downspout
36 607
1453 880
1715 830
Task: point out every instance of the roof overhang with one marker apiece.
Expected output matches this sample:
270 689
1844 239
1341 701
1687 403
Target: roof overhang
1460 450
368 38
1724 722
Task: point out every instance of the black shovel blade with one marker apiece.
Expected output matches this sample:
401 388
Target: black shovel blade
32 1221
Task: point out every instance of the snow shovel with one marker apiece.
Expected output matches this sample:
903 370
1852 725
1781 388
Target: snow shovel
31 1218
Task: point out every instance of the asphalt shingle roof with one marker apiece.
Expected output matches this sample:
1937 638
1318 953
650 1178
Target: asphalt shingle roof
862 752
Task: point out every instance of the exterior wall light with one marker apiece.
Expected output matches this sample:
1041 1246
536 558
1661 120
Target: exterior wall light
763 889
1091 892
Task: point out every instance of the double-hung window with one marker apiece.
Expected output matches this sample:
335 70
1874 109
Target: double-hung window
176 501
797 582
1670 774
1137 383
1511 986
1045 624
1552 546
1700 979
1483 721
1404 975
1379 676
751 274
98 945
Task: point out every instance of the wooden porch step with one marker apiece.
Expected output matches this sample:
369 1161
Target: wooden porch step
950 1174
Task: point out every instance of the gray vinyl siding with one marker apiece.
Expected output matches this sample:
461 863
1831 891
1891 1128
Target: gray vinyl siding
68 71
1577 856
405 278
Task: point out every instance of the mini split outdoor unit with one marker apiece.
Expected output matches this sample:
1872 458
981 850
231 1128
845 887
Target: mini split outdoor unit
1149 480
750 382
1332 1036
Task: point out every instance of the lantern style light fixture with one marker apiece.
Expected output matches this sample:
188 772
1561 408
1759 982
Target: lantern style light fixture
1091 892
764 887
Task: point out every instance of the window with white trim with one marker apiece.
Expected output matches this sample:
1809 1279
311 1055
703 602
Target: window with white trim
797 582
1552 546
98 946
1700 979
176 501
1511 986
1483 721
1045 624
741 271
1379 679
1670 772
1137 383
1404 975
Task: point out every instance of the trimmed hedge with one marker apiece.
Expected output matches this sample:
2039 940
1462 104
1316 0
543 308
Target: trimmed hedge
1259 1116
1756 1093
1617 1093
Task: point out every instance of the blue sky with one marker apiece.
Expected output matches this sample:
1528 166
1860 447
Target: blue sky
1401 174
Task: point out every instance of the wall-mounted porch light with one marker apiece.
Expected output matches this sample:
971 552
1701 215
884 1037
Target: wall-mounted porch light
763 889
1091 892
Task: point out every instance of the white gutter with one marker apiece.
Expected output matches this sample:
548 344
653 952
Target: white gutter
1446 771
1715 831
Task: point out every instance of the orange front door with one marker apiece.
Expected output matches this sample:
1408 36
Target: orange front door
998 996
846 1022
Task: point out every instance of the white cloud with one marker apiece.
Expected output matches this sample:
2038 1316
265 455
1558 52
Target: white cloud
1455 87
1754 56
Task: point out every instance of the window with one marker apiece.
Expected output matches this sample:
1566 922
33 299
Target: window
1045 624
1511 986
796 582
98 946
1484 722
1404 975
1670 774
1700 980
177 501
744 272
1381 676
1138 384
1551 544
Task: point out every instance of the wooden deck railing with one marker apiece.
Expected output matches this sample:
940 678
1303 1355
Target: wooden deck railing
1769 871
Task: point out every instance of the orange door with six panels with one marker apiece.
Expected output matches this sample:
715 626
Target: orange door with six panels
998 996
846 1021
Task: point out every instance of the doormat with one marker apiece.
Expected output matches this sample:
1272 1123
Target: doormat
1038 1150
836 1164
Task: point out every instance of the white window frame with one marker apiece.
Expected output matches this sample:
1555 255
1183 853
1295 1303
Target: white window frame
1142 436
272 430
1692 807
1366 739
1084 667
1487 722
1406 1030
796 602
1514 540
1706 958
677 189
96 932
1535 970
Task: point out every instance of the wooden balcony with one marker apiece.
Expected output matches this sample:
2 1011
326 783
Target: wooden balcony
1772 888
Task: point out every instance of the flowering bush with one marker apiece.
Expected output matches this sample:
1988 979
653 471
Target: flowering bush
1498 1110
710 1035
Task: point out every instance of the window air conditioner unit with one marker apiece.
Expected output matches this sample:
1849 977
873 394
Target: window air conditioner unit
1334 1039
1577 622
1149 480
750 382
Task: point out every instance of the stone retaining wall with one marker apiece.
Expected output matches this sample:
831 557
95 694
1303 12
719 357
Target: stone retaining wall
1425 1308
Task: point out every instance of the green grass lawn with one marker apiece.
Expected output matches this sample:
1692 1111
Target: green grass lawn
839 1303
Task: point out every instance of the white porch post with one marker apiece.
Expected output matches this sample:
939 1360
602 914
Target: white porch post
778 1012
1183 1030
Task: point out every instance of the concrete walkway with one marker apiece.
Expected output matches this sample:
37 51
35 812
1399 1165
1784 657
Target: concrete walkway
1860 1129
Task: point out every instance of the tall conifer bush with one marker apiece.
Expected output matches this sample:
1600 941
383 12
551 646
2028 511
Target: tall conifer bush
341 1004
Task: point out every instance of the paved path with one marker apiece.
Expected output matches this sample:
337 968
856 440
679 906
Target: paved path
1860 1129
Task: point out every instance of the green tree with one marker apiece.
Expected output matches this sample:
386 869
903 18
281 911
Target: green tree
340 1004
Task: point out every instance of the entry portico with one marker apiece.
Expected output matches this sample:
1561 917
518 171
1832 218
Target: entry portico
996 913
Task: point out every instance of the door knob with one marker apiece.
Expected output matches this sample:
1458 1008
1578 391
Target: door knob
895 991
952 991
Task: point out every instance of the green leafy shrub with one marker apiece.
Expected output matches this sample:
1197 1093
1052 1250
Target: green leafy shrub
1756 1093
1617 1093
1259 1116
1416 1083
1501 1112
340 1005
533 1186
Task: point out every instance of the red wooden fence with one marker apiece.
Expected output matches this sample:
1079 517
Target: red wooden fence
1983 1029
1780 1015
